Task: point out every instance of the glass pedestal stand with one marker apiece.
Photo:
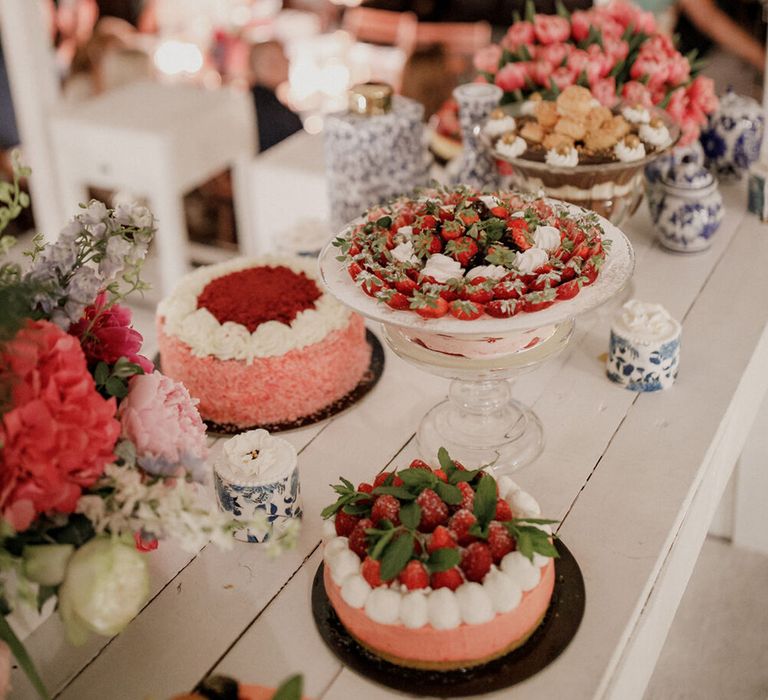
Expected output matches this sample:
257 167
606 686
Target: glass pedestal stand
480 423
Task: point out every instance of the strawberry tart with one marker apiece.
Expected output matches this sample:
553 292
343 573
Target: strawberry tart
258 342
438 569
473 255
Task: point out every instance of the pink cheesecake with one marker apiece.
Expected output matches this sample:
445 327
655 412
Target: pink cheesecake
259 342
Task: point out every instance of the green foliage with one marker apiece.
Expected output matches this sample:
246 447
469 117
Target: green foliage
290 689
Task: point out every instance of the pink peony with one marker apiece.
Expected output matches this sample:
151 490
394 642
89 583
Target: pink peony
604 91
487 59
635 93
519 34
563 78
551 29
106 334
512 76
59 433
580 24
554 54
159 417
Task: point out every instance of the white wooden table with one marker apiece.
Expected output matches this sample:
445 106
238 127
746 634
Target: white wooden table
635 480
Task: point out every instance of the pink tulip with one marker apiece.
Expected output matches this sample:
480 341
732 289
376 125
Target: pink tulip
519 34
487 59
635 93
604 91
551 29
512 76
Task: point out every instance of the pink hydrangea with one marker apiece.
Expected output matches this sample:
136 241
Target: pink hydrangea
160 418
59 432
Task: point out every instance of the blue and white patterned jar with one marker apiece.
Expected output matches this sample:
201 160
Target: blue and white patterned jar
373 152
659 168
686 207
476 102
733 135
257 476
644 351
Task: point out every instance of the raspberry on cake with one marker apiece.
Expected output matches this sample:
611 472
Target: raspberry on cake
259 342
459 252
438 569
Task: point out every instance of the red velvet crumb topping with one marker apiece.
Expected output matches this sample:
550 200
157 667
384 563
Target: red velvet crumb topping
259 294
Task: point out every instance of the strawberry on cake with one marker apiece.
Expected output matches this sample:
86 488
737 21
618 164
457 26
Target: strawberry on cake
468 254
259 342
438 568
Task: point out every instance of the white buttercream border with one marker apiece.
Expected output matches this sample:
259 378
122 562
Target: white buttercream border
205 336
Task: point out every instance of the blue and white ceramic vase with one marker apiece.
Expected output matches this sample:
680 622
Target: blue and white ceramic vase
644 350
256 478
686 207
657 169
733 135
374 151
476 102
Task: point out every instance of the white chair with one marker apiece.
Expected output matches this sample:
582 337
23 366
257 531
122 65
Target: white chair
146 138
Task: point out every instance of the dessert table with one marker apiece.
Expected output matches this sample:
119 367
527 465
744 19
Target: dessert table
635 480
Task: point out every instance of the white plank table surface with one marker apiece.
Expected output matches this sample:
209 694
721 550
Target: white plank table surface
635 480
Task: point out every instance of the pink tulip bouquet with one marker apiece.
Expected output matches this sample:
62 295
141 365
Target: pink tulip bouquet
100 454
615 50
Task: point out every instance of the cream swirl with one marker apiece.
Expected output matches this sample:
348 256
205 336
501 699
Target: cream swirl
442 268
569 159
513 148
657 136
636 115
531 260
645 322
546 237
491 272
627 153
499 126
404 251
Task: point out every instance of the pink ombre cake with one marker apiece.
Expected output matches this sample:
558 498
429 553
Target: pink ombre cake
259 342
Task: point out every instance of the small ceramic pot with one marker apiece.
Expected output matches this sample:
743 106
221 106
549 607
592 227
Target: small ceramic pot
733 135
476 102
686 207
272 488
644 349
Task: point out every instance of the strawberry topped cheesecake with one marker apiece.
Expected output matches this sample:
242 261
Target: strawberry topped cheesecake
438 568
258 342
468 254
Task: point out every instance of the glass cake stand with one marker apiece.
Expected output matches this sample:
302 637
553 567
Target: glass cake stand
480 423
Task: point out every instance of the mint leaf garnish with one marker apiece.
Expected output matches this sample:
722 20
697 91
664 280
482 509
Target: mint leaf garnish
396 555
443 559
410 515
485 500
449 493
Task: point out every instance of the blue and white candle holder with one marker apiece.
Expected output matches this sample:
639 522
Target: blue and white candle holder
373 152
644 351
476 102
257 476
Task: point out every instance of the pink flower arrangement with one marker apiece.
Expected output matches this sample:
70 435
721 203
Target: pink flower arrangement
59 433
159 417
106 334
615 50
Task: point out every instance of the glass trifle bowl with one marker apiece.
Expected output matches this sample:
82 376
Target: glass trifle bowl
612 188
480 423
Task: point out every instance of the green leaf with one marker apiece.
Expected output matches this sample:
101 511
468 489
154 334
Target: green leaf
530 10
446 463
116 387
396 556
397 491
101 374
410 515
356 508
384 222
562 10
485 500
124 368
417 478
463 475
443 559
531 540
381 542
25 661
290 689
449 493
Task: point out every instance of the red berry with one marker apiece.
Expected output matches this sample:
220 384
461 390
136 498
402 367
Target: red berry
500 541
381 477
568 290
345 523
433 511
398 301
477 293
414 575
364 487
517 230
431 307
447 579
420 464
386 507
440 474
503 511
469 217
354 270
358 539
476 561
508 289
460 523
371 571
502 308
467 495
451 230
441 539
500 212
466 310
462 249
406 286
